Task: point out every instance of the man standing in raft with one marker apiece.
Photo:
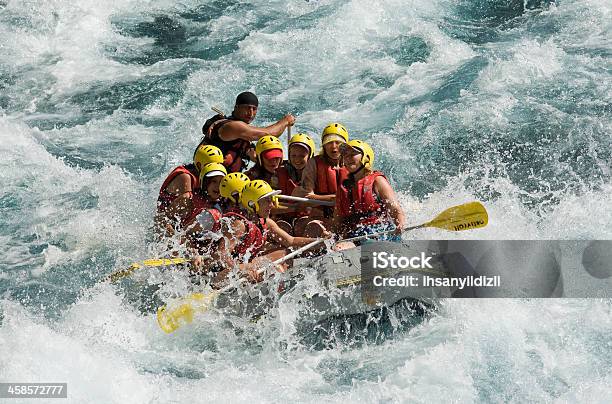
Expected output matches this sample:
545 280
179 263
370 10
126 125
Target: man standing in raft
234 134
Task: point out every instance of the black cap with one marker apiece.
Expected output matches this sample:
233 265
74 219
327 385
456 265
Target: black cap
247 98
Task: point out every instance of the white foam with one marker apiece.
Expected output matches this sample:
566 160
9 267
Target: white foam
33 351
116 221
530 62
470 351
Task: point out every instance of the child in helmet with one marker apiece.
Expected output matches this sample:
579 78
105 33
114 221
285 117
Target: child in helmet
205 202
230 188
175 200
321 176
365 201
289 175
205 230
209 193
269 151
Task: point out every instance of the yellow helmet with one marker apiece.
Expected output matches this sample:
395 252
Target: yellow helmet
336 129
267 143
254 191
212 170
367 153
304 139
205 154
232 184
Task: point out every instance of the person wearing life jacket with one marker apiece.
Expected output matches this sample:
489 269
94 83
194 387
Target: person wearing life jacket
247 237
321 176
175 199
269 153
206 229
234 134
365 201
230 188
205 202
289 176
208 194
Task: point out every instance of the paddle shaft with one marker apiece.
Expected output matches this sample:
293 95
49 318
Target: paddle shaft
381 233
306 200
279 261
154 262
298 251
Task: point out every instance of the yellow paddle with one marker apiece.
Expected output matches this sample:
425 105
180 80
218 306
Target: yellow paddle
471 215
153 262
468 216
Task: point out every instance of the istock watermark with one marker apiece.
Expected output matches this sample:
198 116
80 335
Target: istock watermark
384 260
33 390
436 282
424 270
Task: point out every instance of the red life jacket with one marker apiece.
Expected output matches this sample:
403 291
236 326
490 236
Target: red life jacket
165 198
254 239
328 176
287 178
200 203
287 181
234 151
359 204
257 172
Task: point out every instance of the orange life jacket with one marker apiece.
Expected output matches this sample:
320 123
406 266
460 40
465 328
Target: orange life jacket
328 176
358 204
287 178
287 181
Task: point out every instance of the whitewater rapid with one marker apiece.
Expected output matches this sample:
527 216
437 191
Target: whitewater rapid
507 102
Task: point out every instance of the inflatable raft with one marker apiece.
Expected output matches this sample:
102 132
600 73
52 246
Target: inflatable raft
336 284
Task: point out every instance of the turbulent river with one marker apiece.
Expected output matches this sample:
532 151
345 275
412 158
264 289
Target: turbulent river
507 102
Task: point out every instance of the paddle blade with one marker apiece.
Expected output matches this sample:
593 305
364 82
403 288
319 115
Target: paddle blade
468 216
171 317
